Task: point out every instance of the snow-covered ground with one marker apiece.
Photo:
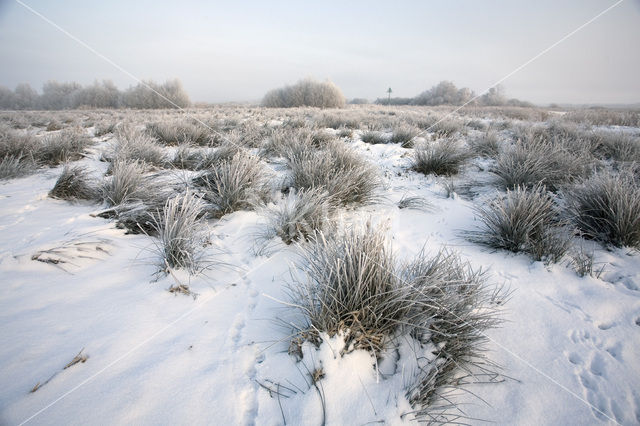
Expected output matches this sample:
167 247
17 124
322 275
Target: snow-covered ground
569 347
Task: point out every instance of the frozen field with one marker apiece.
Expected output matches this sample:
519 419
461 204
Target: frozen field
90 334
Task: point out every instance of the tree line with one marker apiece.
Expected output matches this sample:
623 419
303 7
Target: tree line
105 94
446 93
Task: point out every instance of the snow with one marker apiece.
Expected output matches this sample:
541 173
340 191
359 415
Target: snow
567 343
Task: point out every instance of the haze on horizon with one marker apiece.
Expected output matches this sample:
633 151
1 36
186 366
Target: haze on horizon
237 52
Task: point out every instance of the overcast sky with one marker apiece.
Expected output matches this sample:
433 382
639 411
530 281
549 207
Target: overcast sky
236 51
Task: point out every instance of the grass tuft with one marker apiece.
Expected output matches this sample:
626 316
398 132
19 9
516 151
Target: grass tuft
443 157
75 183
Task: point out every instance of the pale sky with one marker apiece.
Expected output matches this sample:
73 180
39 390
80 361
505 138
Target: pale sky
224 51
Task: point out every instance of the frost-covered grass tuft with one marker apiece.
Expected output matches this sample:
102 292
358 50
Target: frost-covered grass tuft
404 135
75 183
134 145
12 166
236 184
443 157
523 220
298 215
178 132
373 137
351 285
181 232
348 178
127 183
533 161
606 208
487 144
68 145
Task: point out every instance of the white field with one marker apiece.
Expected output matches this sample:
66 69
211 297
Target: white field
569 347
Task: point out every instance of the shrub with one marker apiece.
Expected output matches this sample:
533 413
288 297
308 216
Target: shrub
181 231
298 215
75 183
348 178
305 93
443 157
236 184
523 220
606 208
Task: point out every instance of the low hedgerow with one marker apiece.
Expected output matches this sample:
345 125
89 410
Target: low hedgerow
236 184
348 178
440 157
523 220
606 207
75 183
349 283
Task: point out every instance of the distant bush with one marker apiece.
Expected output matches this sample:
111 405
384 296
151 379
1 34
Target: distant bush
606 207
150 95
359 101
444 93
440 157
305 93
